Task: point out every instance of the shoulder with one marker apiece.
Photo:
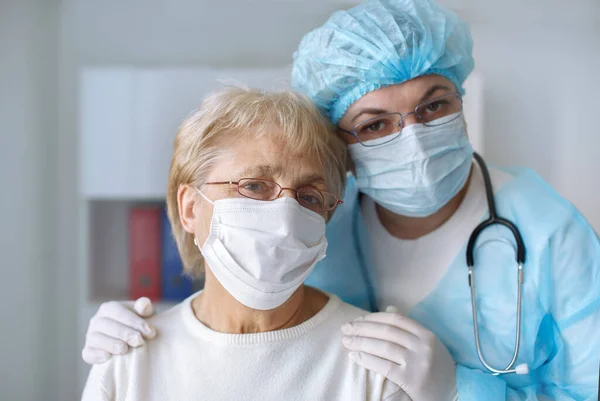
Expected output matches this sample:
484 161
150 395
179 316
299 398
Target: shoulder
343 312
114 378
171 320
528 188
376 386
547 221
532 202
561 245
382 388
330 320
173 332
100 384
347 311
109 380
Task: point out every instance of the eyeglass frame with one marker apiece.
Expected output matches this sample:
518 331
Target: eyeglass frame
402 116
338 201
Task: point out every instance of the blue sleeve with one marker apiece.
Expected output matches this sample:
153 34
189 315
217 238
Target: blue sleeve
572 292
346 271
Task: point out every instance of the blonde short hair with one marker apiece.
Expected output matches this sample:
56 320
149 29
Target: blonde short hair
230 113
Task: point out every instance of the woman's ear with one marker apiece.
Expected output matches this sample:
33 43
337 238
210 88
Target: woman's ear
186 200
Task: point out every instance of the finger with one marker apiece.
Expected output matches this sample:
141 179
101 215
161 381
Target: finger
112 345
94 356
395 319
143 306
382 366
382 349
114 329
381 331
122 314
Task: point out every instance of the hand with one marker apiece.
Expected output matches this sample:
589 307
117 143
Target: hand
116 327
403 351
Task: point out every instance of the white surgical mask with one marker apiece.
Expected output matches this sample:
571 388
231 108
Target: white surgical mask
417 173
262 251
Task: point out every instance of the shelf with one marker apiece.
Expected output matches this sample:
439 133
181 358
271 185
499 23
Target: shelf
108 249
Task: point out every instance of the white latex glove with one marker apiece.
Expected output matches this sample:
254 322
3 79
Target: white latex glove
116 327
404 352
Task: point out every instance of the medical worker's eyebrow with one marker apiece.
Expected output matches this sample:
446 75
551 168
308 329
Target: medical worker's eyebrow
369 111
432 90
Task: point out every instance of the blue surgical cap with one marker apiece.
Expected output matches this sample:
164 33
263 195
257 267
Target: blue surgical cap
377 44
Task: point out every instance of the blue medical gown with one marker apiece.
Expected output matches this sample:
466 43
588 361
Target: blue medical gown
560 334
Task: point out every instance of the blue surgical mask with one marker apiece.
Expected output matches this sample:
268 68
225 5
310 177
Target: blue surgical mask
417 173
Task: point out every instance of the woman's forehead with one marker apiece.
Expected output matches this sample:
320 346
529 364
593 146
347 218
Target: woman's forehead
267 157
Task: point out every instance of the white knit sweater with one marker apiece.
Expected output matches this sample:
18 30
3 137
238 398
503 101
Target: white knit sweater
189 361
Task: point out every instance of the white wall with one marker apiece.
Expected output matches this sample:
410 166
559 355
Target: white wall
28 87
541 61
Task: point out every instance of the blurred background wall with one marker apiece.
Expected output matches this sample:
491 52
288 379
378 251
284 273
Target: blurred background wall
540 61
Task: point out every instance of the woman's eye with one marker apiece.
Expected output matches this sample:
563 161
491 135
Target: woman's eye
311 200
255 186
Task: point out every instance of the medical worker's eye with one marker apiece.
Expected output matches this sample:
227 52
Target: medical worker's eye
436 107
374 127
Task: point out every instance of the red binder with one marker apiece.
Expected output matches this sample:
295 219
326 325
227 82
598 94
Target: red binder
144 252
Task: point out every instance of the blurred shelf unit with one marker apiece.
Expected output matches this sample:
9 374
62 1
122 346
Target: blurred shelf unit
128 120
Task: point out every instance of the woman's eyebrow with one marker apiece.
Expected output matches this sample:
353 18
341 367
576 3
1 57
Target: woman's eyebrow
432 90
260 171
313 179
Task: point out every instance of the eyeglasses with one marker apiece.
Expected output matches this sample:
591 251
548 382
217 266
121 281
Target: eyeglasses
430 114
265 190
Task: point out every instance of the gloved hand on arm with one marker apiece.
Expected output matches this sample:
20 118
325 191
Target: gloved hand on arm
404 352
116 327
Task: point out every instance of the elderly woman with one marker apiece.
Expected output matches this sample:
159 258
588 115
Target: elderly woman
253 180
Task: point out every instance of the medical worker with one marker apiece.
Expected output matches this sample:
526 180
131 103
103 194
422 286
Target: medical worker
390 75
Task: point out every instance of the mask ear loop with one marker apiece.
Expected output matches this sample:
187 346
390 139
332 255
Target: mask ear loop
205 197
212 203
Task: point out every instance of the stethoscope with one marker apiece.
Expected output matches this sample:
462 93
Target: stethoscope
494 219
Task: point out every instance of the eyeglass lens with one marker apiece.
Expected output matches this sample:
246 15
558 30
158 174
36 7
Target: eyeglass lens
265 190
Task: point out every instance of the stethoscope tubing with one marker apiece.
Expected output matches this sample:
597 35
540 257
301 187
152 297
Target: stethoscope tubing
494 219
